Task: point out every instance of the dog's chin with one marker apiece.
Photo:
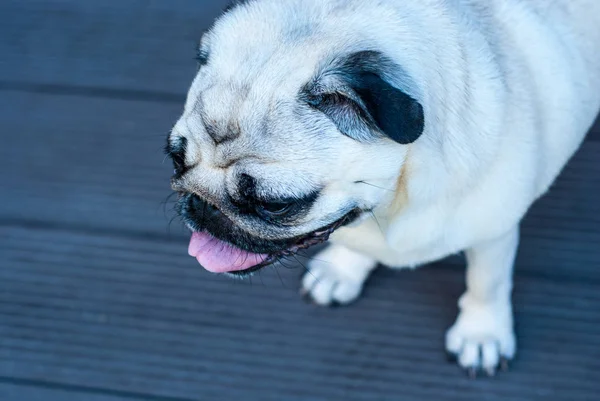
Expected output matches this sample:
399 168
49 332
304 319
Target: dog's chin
277 249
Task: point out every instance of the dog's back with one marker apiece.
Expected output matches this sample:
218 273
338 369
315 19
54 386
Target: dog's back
549 52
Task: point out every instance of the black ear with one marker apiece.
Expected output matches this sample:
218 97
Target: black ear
356 94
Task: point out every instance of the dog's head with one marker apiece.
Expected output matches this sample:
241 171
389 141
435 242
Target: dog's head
289 132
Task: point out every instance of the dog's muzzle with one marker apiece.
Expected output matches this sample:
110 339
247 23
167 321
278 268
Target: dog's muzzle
221 246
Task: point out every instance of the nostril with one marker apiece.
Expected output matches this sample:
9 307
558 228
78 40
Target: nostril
200 206
196 202
247 186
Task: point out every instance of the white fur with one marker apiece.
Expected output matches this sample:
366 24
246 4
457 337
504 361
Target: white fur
509 89
337 275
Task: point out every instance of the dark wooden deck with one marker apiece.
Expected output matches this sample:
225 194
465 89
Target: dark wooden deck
99 302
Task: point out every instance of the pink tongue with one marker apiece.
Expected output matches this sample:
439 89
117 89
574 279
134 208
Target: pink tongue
217 256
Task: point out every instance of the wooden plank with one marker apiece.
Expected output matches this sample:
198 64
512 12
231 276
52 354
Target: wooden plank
32 390
86 162
10 392
125 44
134 316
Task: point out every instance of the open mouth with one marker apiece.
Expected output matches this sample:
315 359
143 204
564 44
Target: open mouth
218 256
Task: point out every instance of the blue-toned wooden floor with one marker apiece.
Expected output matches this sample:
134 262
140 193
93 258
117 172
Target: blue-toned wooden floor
100 302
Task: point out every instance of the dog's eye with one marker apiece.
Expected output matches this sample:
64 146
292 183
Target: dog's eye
270 210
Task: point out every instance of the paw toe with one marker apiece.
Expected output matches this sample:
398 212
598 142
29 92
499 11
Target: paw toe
326 288
322 291
346 292
490 357
477 352
469 356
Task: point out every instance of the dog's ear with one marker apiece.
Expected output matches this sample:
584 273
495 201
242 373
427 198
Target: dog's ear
356 93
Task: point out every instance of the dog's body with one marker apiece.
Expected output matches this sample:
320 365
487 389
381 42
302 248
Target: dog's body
506 90
513 102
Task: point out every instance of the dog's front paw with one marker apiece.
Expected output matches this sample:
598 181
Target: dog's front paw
482 337
336 276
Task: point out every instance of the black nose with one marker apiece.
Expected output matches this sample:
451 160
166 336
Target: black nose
199 210
196 202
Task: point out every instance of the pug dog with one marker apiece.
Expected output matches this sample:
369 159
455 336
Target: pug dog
403 131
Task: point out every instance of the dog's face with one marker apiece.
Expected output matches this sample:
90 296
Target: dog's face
286 135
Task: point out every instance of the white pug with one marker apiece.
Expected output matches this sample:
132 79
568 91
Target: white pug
409 130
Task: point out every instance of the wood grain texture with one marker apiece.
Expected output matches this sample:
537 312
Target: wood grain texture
138 316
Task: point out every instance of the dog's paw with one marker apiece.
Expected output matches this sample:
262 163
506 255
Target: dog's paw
482 339
336 276
325 287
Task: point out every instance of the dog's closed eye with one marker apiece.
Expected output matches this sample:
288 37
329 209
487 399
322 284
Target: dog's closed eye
273 210
281 211
269 211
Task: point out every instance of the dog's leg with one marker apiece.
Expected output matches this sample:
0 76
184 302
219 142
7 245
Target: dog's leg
483 335
336 275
